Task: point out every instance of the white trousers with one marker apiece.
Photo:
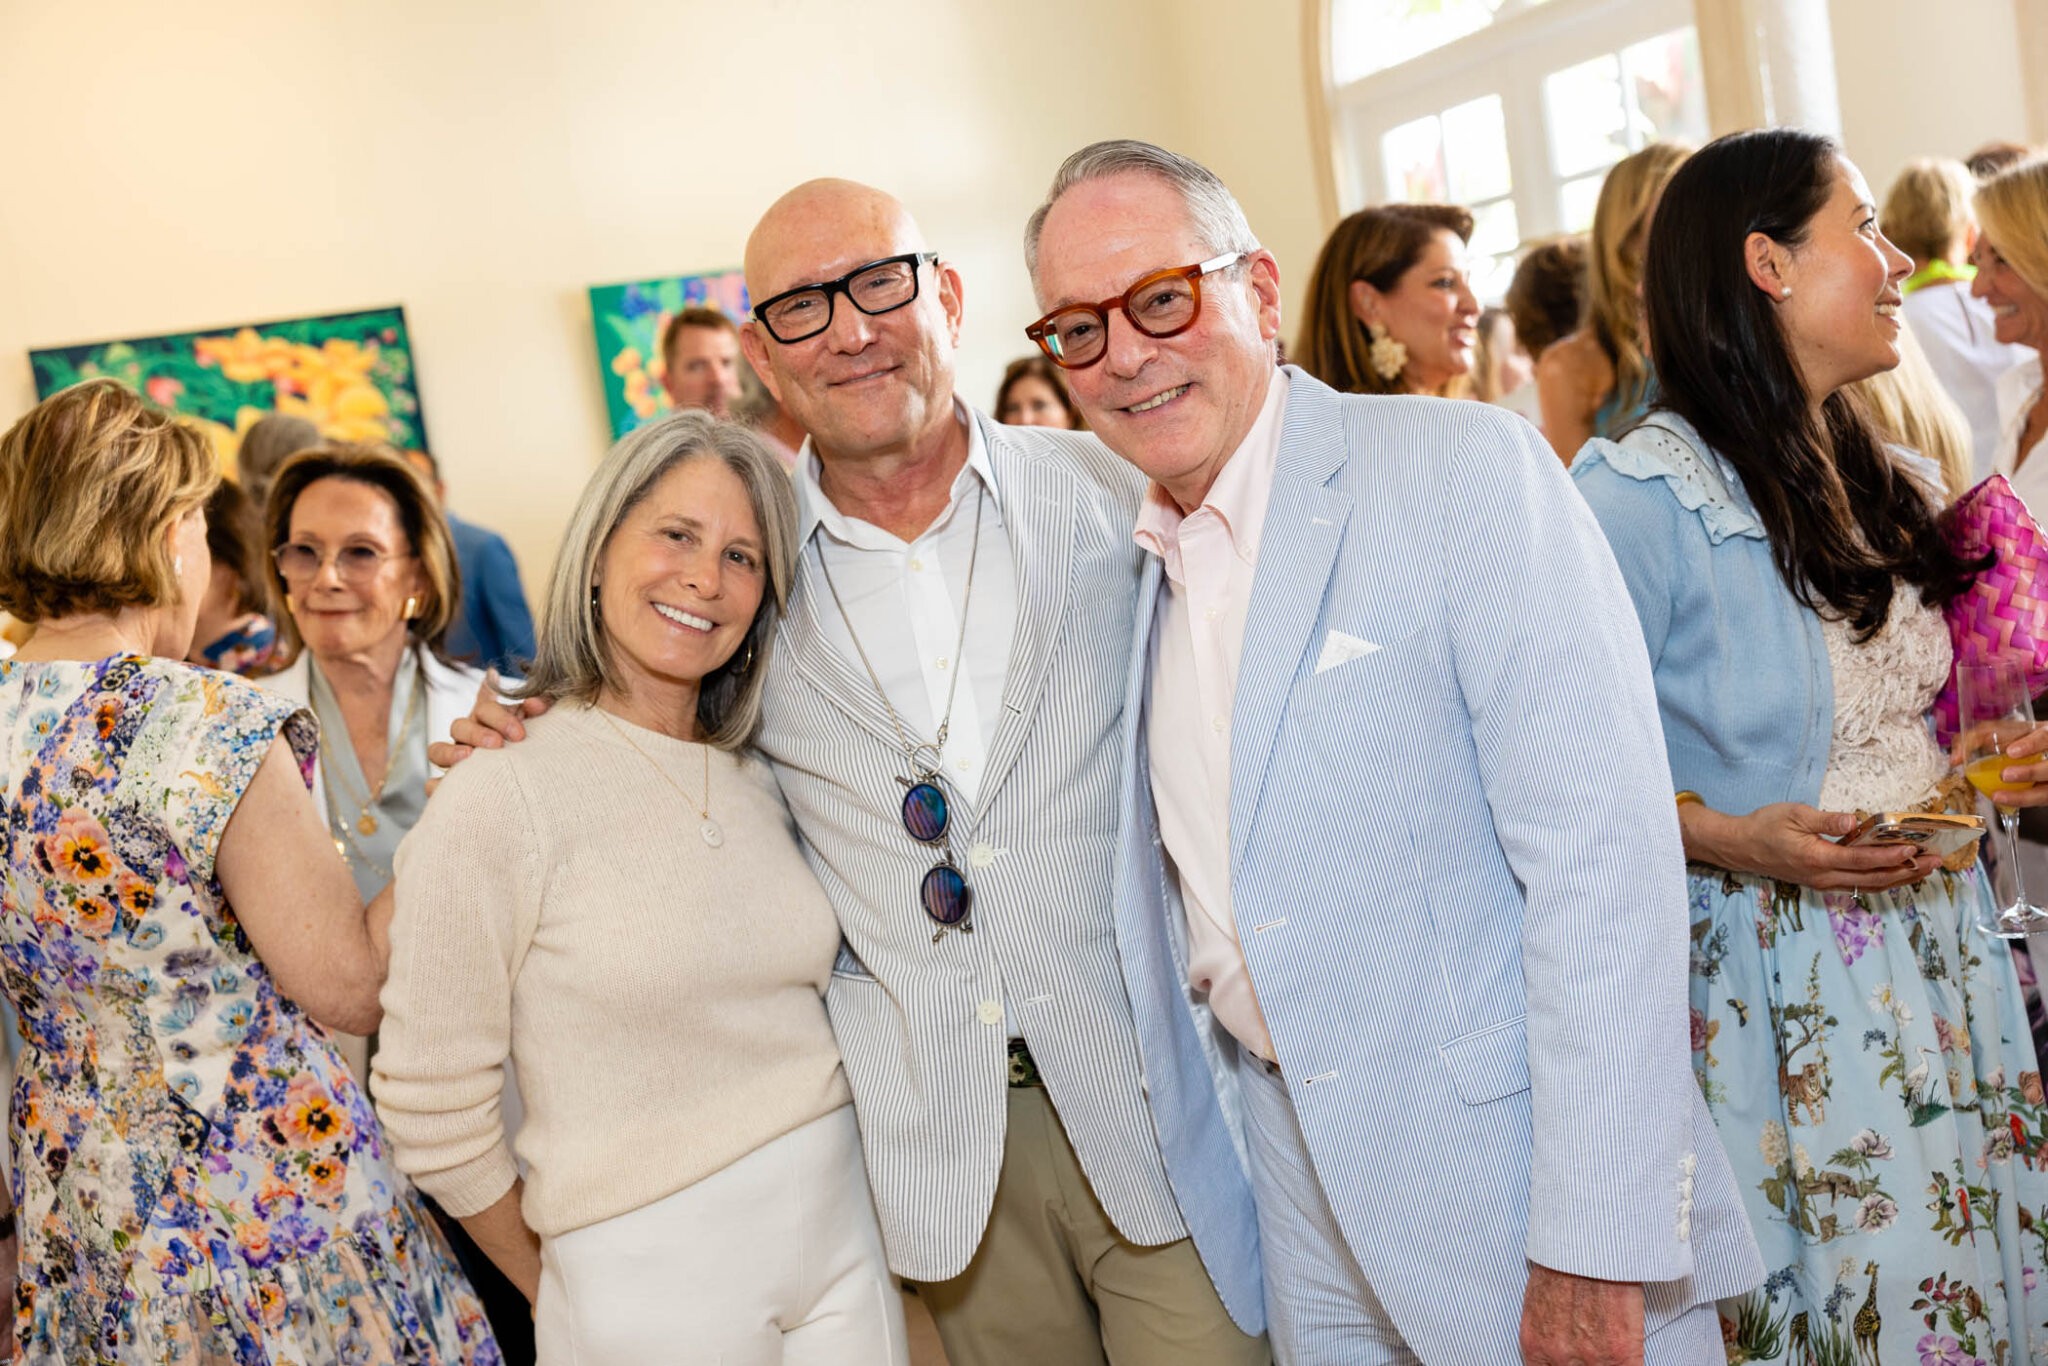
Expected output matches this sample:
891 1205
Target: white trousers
774 1261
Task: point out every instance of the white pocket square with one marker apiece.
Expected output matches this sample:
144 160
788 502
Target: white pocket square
1339 648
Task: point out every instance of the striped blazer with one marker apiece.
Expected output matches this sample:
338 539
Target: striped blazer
920 1024
1458 881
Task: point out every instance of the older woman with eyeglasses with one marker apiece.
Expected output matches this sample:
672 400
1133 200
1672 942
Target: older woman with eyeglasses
619 905
363 562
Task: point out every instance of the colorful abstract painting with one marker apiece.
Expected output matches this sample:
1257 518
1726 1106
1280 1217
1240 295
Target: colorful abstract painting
629 319
349 374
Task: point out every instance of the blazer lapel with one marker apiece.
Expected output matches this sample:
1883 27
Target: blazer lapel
807 650
1304 527
1038 497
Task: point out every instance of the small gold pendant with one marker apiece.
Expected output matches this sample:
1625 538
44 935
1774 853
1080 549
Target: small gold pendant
367 823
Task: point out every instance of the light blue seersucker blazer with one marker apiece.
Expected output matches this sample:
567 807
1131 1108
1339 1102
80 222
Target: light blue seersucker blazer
1459 885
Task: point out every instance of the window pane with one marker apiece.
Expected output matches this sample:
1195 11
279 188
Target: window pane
1414 155
1670 96
1490 262
1588 124
1476 150
1577 200
1495 229
1372 35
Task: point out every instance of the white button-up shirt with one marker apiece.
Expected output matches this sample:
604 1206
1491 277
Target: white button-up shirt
905 600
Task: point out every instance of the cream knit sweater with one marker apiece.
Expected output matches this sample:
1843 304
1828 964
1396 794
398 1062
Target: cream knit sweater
661 1000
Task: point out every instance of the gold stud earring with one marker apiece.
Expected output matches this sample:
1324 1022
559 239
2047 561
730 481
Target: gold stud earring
412 608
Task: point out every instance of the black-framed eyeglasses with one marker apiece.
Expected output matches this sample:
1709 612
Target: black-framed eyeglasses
1163 304
878 287
943 892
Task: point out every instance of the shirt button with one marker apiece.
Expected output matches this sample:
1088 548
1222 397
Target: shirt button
989 1012
1210 614
940 662
1216 724
983 854
917 566
966 765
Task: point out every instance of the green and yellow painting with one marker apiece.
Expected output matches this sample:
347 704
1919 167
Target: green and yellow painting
629 319
349 374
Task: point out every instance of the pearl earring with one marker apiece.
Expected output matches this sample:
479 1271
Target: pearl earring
1785 293
177 564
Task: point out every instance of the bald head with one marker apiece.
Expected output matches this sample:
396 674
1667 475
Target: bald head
870 382
820 223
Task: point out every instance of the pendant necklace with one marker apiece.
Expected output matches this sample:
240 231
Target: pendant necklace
944 892
711 830
366 817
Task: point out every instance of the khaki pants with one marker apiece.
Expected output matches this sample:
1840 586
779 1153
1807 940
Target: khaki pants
1054 1283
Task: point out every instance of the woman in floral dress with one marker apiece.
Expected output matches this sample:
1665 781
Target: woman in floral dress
1862 1046
196 1177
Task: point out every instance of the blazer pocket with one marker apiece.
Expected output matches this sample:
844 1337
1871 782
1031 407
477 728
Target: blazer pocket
1367 684
1489 1064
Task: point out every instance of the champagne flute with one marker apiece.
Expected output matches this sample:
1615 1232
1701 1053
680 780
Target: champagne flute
1995 710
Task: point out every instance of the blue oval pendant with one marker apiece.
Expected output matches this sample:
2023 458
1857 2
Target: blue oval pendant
924 812
945 896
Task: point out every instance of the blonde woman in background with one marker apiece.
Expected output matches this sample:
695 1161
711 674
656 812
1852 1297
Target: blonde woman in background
201 1181
1909 408
1927 215
2012 276
619 905
1598 381
1390 309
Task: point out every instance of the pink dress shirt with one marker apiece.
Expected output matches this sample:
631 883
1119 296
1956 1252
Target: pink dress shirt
1210 556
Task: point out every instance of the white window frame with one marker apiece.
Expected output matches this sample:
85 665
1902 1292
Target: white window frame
1509 58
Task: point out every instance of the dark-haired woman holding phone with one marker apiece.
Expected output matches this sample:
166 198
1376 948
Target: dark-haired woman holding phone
1865 1054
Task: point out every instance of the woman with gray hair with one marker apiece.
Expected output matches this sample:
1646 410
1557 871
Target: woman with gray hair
619 905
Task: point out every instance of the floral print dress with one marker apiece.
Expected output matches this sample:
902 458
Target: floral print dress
1868 1064
197 1176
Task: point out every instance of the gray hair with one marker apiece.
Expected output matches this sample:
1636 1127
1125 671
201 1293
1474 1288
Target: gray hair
1218 220
573 658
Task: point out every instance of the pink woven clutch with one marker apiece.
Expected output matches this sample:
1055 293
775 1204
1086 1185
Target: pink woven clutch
2003 615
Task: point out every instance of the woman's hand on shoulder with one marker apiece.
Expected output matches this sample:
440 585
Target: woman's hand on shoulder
1797 843
490 724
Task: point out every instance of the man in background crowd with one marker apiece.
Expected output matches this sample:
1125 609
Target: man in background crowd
700 353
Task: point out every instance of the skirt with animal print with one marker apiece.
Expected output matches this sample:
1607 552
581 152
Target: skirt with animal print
1868 1063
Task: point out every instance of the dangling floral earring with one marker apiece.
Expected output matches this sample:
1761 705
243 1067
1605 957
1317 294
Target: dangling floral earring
1389 357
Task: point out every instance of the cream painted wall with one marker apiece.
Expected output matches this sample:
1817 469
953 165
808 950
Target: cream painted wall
1248 119
1911 86
483 163
172 167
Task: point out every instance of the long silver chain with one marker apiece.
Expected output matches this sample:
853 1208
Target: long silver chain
938 747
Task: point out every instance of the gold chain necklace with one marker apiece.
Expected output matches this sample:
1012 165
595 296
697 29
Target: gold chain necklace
366 820
713 833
